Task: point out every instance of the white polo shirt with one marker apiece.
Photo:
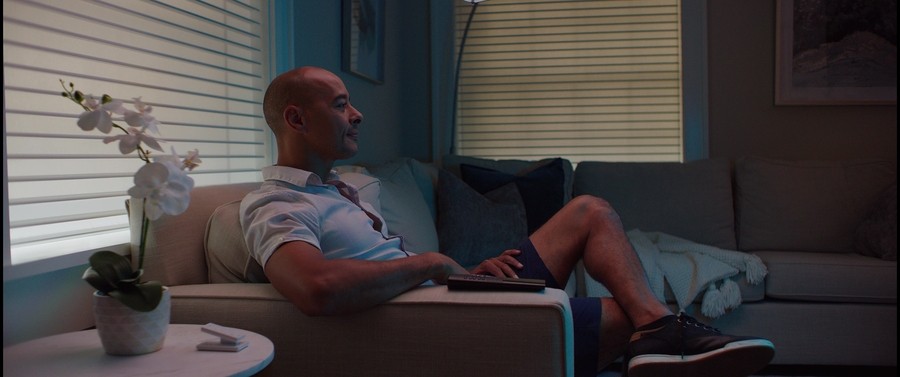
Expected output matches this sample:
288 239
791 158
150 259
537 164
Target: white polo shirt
295 205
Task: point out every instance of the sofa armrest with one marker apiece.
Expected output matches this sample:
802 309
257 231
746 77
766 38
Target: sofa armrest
426 331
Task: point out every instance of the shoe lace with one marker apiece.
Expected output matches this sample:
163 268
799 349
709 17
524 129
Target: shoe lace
685 321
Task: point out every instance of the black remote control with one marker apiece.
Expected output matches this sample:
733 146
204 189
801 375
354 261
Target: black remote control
471 282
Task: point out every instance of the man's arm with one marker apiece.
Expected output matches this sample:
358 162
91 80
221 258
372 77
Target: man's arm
318 286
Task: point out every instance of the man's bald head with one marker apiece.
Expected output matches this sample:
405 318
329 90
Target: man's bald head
299 86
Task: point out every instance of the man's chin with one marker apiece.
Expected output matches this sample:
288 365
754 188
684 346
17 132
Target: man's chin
349 152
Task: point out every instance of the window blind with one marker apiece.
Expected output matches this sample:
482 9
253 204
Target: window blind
585 80
202 65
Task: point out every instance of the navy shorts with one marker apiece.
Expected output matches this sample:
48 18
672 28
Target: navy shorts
586 311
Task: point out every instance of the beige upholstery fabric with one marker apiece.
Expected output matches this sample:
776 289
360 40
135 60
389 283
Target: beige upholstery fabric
227 256
428 331
175 254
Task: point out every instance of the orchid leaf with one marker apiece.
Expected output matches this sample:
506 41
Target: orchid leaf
112 274
142 297
112 268
98 282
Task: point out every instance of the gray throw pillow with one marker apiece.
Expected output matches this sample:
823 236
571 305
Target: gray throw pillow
473 227
876 236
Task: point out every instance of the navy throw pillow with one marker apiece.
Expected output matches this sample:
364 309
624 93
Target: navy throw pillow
542 188
473 227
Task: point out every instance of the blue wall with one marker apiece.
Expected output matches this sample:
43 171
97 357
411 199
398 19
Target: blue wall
397 112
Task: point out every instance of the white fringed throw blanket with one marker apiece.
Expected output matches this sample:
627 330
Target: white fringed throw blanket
690 268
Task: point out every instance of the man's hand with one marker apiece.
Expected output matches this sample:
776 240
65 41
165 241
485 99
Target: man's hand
504 265
450 267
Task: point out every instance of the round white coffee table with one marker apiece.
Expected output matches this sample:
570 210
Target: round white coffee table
81 354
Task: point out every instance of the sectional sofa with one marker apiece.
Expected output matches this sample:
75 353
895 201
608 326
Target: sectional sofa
822 228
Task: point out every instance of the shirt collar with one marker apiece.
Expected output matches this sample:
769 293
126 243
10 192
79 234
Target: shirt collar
294 176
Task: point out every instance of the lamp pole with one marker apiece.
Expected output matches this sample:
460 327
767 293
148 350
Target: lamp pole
462 45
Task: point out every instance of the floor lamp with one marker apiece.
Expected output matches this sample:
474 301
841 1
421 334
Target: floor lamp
462 45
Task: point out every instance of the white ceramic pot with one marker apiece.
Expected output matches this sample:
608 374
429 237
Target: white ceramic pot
125 331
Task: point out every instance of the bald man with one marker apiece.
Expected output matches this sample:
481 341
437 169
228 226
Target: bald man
329 253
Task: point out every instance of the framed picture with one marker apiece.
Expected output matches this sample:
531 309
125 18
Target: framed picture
836 52
363 38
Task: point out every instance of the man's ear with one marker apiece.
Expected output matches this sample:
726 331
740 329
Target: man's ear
293 118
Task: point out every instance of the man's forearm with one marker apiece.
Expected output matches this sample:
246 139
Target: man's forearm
355 285
326 287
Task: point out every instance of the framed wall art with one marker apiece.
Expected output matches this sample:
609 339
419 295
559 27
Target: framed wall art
363 38
836 52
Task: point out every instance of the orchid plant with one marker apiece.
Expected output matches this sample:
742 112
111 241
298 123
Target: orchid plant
160 184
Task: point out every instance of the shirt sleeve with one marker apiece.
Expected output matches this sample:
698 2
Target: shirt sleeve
270 219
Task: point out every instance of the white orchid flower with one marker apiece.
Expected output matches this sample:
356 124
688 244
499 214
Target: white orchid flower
100 115
130 141
192 160
164 187
142 118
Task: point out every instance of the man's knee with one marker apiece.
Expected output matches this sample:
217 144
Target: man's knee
592 207
591 204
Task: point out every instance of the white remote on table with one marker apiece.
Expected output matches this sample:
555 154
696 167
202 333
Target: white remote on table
227 334
220 346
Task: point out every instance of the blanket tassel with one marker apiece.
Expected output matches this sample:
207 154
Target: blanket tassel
718 300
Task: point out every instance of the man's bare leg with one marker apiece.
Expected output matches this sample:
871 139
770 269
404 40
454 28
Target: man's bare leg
615 330
588 229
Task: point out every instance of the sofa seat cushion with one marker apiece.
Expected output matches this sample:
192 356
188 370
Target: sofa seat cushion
805 205
691 200
829 277
749 292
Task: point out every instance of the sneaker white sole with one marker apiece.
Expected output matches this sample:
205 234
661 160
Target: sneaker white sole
736 359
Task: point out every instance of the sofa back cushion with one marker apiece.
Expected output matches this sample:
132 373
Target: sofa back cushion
691 200
227 257
805 205
404 205
175 245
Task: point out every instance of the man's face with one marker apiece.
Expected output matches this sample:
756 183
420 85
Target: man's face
332 122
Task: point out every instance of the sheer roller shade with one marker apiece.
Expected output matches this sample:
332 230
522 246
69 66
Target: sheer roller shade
200 64
586 80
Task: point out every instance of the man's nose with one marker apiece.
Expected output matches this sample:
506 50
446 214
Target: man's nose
356 117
